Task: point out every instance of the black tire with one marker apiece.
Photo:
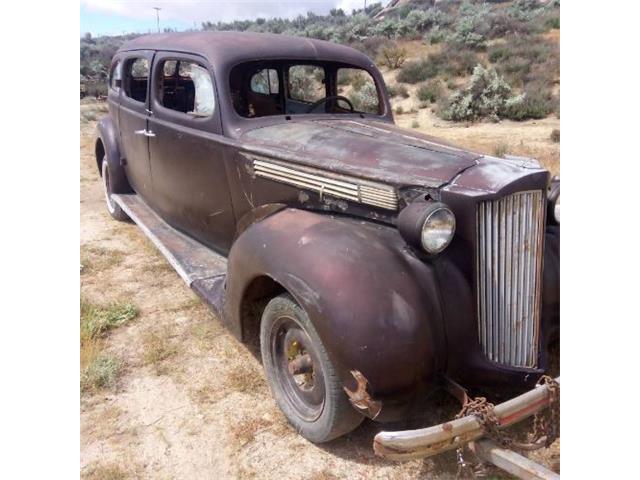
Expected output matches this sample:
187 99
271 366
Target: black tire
317 406
112 207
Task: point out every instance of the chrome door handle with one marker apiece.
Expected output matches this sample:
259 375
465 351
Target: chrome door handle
145 133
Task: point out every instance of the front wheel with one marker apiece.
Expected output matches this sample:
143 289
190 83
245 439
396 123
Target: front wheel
300 374
114 209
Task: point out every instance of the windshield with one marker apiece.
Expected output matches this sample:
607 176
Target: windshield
262 89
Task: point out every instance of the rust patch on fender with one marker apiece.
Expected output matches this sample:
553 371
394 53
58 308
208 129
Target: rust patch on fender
361 399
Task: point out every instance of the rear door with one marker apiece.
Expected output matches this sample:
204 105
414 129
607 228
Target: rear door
133 120
190 183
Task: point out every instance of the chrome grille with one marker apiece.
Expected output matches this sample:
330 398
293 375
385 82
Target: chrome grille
510 243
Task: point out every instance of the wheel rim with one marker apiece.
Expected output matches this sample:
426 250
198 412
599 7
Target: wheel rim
298 370
107 189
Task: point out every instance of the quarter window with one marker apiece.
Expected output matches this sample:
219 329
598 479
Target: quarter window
137 77
306 83
265 82
186 87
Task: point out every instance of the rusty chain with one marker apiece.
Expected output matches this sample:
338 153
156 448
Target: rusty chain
546 427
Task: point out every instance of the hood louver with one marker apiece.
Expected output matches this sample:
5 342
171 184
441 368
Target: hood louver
325 183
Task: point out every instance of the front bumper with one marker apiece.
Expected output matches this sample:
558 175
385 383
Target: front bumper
426 442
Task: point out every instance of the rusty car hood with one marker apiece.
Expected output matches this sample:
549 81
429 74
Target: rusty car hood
363 148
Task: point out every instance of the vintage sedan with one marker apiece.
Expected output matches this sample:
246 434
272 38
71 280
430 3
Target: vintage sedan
372 263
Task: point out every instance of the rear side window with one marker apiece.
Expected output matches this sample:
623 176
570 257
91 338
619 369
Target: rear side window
306 83
136 79
265 82
115 76
186 87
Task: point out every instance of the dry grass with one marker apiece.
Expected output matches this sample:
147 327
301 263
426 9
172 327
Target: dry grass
245 378
96 258
246 430
105 472
100 369
158 346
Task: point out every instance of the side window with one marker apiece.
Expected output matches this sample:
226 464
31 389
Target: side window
136 79
359 87
115 76
265 82
307 83
186 87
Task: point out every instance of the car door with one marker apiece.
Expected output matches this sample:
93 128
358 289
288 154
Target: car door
133 120
190 188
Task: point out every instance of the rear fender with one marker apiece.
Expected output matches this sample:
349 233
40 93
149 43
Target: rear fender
107 144
374 305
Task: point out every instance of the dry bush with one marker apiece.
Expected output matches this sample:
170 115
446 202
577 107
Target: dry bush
392 56
398 90
555 135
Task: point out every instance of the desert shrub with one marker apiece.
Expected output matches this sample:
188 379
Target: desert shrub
398 90
420 20
525 59
555 135
454 61
387 28
472 26
502 23
486 95
415 124
414 72
365 99
392 56
102 372
429 92
399 110
552 22
534 103
435 35
370 46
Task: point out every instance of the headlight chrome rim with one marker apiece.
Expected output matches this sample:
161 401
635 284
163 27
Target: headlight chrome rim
446 237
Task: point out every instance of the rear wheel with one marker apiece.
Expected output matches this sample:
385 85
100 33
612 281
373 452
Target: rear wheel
114 209
300 374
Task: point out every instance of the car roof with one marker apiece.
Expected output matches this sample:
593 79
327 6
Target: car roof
231 48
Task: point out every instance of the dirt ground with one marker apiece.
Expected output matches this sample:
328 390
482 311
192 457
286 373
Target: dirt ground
191 402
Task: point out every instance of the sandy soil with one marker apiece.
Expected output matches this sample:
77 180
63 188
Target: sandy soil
204 411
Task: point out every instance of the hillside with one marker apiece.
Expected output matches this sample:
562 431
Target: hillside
446 63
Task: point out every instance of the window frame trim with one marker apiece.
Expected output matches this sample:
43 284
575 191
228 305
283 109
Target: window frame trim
212 122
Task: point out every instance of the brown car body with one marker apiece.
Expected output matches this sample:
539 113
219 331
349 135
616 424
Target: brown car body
381 307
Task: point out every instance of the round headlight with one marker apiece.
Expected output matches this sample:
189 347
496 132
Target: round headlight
427 225
556 209
438 230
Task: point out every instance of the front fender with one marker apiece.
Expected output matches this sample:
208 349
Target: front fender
374 305
108 136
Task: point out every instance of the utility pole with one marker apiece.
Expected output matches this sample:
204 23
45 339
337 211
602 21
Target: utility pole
157 9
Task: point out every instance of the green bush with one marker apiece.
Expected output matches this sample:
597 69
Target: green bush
414 72
429 92
532 104
435 35
486 95
472 26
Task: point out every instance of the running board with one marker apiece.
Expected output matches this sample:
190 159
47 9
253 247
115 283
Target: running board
202 269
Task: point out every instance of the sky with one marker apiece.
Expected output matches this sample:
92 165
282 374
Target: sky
115 17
